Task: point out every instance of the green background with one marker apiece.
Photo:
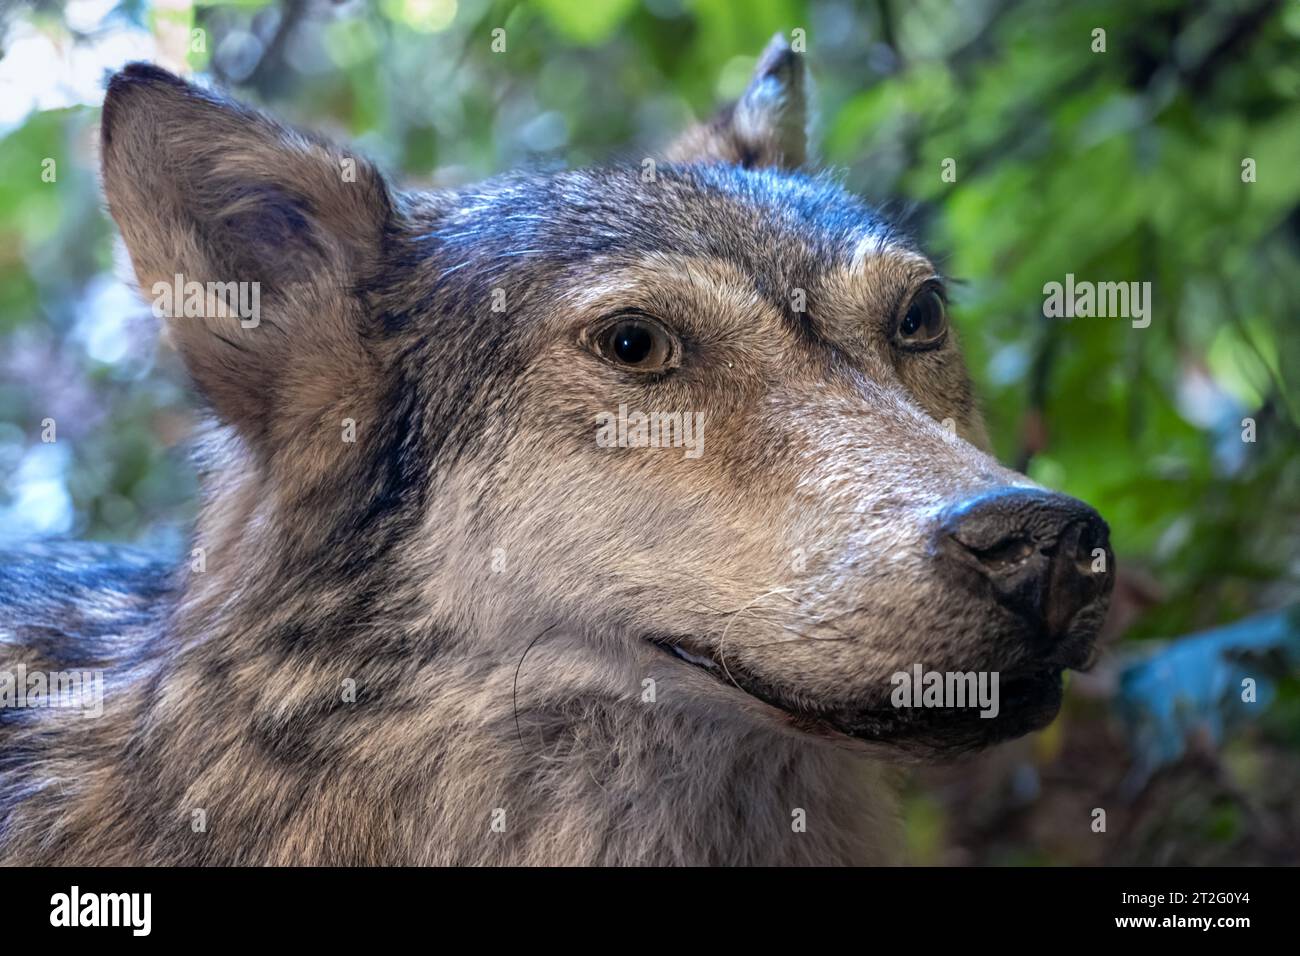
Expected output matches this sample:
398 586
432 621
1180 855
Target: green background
1122 165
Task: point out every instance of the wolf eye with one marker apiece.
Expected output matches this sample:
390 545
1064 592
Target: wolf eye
925 321
638 342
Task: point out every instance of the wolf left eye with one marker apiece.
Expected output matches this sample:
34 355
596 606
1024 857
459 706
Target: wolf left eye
925 321
637 342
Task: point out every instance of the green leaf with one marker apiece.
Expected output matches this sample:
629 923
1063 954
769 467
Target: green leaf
586 23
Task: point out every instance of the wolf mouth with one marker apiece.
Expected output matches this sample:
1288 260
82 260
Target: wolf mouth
1030 699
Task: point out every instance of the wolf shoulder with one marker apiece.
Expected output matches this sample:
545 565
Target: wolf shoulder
78 604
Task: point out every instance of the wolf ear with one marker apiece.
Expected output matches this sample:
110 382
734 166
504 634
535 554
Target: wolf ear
250 240
767 126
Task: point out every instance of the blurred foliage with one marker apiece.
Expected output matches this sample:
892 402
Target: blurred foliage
1122 165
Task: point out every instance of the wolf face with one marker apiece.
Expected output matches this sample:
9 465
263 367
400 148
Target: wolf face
434 385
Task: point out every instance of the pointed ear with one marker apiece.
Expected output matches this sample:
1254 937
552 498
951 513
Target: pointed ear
249 239
767 126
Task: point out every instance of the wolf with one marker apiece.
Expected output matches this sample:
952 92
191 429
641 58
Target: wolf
429 619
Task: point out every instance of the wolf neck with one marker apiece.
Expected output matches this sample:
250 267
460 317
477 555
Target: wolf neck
459 757
615 784
562 756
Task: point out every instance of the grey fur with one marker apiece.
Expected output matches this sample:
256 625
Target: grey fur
497 586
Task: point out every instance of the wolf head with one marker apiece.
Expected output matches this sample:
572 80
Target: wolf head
701 421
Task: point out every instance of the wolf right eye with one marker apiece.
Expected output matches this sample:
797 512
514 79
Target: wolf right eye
637 342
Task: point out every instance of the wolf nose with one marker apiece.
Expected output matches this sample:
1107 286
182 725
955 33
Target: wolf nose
1044 555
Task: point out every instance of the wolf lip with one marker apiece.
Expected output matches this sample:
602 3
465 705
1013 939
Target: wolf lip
1029 700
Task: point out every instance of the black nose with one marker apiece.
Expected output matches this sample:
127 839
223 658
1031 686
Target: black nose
1045 555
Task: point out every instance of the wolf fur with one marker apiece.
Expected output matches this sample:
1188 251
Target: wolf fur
448 641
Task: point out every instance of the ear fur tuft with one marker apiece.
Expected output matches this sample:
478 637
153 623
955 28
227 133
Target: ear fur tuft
766 127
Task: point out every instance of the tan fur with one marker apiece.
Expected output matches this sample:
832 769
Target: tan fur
502 593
